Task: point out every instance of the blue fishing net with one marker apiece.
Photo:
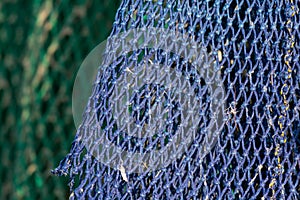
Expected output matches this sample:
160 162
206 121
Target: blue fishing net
254 150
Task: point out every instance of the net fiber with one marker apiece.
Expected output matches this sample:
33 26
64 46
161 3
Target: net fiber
255 45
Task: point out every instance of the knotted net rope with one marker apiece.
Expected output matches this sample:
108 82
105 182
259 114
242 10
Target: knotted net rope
143 97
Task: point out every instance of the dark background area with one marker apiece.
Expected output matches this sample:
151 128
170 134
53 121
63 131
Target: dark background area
42 44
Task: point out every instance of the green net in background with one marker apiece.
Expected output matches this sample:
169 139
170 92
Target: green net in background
42 44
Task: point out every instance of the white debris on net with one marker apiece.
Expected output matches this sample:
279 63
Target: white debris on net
123 173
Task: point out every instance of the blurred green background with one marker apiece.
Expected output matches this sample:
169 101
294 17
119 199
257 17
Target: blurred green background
42 44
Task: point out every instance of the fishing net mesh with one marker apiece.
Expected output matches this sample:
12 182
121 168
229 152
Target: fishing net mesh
254 45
